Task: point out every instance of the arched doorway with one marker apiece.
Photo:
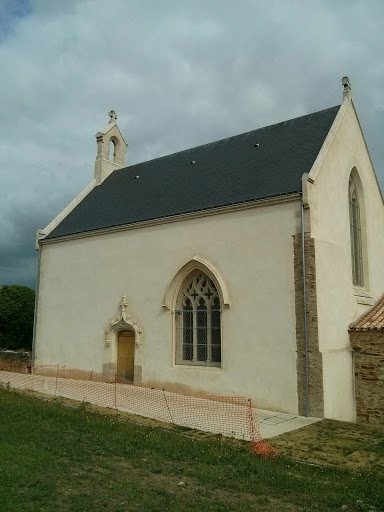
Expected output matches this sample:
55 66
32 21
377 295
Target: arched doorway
125 355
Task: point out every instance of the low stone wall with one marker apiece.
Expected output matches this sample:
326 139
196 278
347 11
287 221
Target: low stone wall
13 361
368 349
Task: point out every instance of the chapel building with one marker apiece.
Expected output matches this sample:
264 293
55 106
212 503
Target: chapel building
232 268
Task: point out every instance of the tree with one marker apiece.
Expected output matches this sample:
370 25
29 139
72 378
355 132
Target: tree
17 304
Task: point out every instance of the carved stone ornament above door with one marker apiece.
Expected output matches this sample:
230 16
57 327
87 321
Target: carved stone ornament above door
123 321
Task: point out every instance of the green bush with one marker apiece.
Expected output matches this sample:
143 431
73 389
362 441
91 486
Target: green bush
17 305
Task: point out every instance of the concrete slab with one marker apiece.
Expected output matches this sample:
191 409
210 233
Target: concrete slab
274 424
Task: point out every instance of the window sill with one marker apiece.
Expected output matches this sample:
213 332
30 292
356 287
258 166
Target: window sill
363 296
186 366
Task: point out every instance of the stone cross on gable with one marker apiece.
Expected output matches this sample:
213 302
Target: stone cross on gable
347 92
112 114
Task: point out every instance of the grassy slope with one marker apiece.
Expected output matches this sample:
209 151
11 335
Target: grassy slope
338 444
69 459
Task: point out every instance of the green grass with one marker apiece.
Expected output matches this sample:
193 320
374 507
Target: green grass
56 458
351 446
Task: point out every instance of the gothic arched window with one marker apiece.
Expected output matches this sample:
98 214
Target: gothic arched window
113 149
198 322
356 238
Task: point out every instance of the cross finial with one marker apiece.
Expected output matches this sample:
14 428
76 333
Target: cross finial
347 87
112 114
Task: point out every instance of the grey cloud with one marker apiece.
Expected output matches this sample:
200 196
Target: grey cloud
179 74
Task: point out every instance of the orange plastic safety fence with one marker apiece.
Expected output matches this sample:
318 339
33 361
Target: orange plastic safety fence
230 416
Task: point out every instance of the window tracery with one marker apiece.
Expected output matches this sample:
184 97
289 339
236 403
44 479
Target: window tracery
198 322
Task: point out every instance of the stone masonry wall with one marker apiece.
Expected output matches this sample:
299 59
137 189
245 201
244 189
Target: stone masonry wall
369 375
315 362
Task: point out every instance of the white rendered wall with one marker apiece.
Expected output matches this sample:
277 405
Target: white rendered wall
82 282
336 298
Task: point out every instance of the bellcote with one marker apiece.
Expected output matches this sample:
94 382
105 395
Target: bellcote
111 148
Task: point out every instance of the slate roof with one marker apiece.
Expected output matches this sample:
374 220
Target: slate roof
259 164
371 320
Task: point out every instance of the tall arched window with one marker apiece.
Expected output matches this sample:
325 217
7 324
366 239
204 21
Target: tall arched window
356 237
198 322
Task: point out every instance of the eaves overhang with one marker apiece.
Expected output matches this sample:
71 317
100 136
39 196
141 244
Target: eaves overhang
245 205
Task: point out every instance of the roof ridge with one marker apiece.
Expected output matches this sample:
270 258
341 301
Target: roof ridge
226 138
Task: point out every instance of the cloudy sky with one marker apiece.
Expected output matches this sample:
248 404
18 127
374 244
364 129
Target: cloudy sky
178 72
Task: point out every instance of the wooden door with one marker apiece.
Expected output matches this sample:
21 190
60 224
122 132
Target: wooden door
125 355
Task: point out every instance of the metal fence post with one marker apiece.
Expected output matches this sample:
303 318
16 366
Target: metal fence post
115 389
57 371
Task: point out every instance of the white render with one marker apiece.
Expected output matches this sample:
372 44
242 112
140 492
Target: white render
92 285
259 344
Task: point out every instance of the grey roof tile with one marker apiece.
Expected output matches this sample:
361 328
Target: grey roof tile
225 172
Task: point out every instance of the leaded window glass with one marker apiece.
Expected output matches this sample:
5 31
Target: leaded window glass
198 322
355 229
